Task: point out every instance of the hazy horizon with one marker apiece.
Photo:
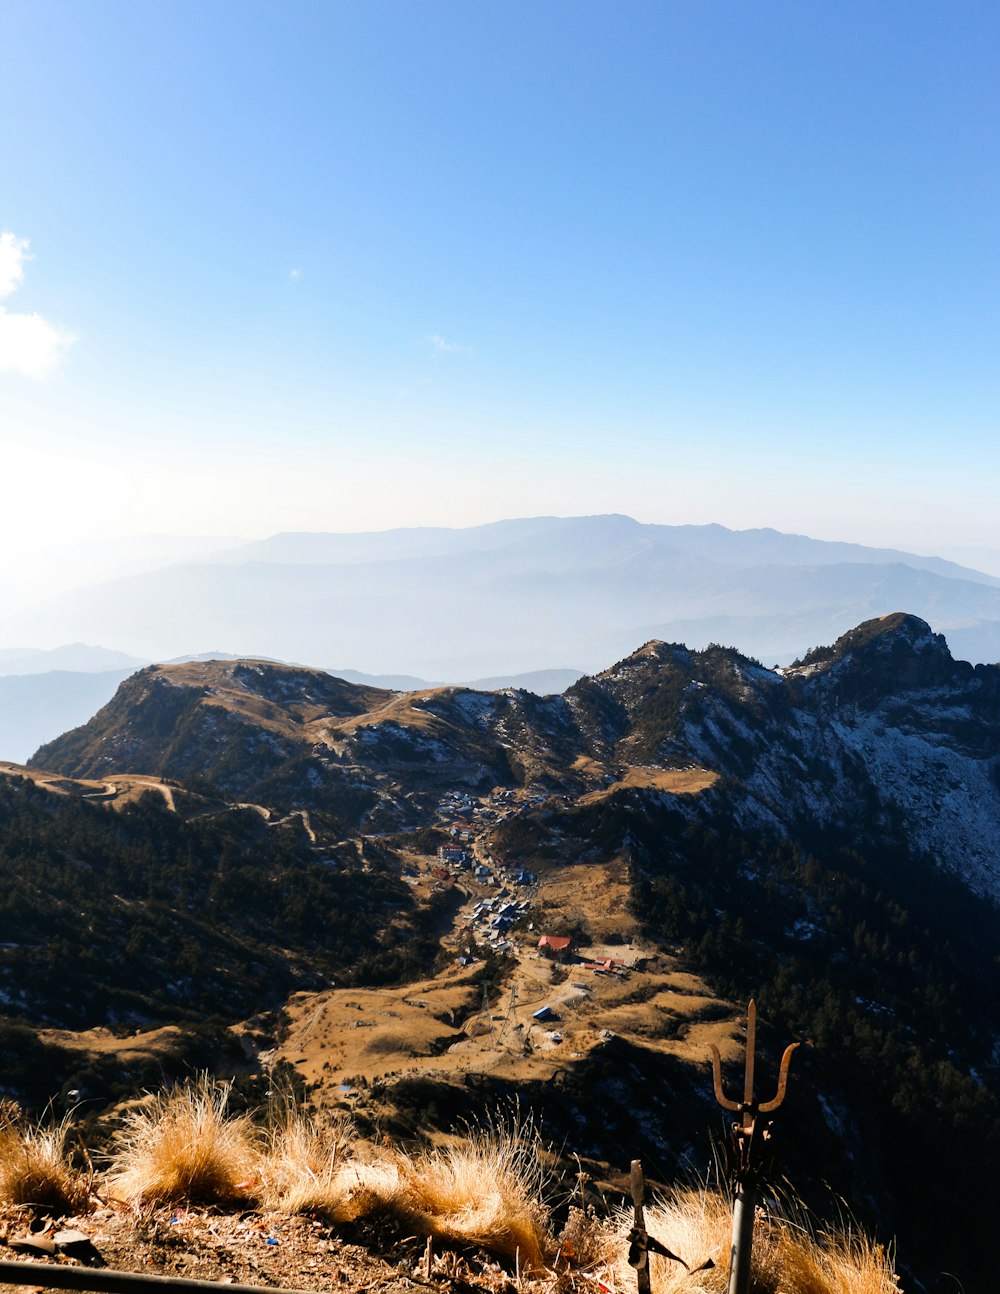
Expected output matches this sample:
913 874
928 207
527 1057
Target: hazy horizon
45 574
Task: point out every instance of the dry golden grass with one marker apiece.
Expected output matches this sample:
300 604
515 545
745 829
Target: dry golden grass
371 1186
678 781
485 1191
34 1167
305 1167
183 1146
789 1257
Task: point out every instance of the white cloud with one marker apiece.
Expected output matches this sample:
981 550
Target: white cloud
13 251
294 275
442 346
29 344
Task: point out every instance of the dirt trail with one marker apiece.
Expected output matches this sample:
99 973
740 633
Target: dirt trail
125 788
302 815
137 785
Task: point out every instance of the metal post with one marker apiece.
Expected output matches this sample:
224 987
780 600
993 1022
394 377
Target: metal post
742 1247
642 1244
750 1137
640 1248
741 1252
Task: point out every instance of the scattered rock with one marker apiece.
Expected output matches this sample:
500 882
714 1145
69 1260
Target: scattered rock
79 1246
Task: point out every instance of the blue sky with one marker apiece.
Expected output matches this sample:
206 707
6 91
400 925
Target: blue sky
356 265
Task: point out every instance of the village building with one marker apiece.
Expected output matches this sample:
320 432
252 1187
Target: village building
558 947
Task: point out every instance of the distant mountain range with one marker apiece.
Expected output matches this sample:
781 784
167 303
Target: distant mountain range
519 595
524 603
75 658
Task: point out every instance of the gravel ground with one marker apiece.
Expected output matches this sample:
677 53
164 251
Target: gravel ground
264 1249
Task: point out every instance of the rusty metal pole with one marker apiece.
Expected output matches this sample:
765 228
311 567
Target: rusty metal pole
640 1247
750 1136
745 1203
741 1251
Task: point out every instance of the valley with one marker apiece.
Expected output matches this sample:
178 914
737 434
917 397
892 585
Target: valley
423 907
546 1010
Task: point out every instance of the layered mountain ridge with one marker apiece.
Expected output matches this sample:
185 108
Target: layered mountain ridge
520 595
884 723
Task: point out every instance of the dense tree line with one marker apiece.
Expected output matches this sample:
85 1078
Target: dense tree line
138 916
888 966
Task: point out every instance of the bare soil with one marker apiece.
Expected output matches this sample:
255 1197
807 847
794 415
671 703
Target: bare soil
254 1248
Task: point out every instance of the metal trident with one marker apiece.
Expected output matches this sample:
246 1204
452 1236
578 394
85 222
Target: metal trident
750 1137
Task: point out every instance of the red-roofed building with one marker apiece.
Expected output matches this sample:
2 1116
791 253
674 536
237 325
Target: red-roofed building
557 946
610 966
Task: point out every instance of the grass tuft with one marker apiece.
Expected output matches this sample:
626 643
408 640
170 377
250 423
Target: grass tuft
485 1191
184 1146
305 1167
372 1187
34 1167
789 1256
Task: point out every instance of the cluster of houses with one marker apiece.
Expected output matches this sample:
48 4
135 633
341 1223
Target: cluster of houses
494 918
465 821
516 801
466 814
456 856
504 874
457 859
456 804
508 893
